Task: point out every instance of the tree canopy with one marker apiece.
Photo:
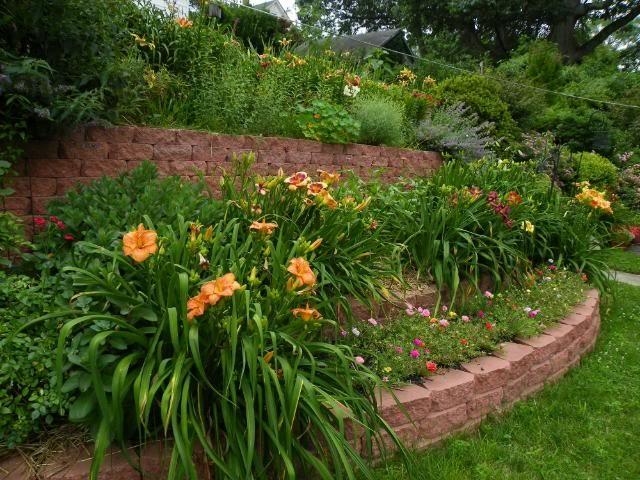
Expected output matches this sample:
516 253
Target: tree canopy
493 27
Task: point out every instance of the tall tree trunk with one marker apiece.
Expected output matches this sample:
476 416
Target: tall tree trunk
563 30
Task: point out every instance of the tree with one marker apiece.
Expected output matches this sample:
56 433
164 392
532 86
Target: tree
483 26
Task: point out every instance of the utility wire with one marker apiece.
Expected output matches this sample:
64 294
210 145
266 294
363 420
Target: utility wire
452 67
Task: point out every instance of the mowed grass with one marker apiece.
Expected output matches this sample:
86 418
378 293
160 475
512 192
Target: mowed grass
621 260
585 427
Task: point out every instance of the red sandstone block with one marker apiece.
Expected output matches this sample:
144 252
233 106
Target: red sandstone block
544 345
21 186
63 185
521 358
109 167
484 403
584 309
233 142
412 162
593 293
169 152
379 162
581 323
216 169
42 149
60 168
359 149
192 137
554 377
301 157
322 158
539 373
18 205
560 360
201 153
449 389
489 373
563 333
271 157
130 151
153 135
414 404
19 167
43 187
438 423
303 145
164 168
39 204
84 150
187 168
77 134
110 134
515 389
273 143
335 148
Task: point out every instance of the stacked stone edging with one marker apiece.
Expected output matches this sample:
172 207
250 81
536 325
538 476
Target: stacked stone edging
52 167
460 398
447 403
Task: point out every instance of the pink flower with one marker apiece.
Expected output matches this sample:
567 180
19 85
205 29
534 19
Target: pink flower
425 312
444 323
414 353
68 237
60 224
488 294
418 342
399 350
553 268
533 313
480 314
54 219
432 366
359 360
444 308
410 310
465 318
39 222
373 321
343 333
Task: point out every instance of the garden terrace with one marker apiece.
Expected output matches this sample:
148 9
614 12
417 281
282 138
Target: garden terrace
52 167
421 415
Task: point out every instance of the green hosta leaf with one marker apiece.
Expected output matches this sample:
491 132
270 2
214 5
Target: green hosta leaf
82 407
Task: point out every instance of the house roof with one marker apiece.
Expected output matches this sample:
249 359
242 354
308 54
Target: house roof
274 7
365 43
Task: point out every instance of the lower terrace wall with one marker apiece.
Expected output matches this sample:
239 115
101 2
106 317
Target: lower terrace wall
52 167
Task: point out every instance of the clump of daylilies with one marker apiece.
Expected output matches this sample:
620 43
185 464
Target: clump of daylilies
593 198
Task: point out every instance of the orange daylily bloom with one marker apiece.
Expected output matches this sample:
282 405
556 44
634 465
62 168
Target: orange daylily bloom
306 314
297 180
220 287
513 198
140 244
184 23
328 200
301 270
263 227
329 178
196 306
315 188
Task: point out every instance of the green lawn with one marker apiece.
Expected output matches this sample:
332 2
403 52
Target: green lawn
585 427
621 260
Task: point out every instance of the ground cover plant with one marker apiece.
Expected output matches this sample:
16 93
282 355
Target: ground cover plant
422 340
581 428
621 260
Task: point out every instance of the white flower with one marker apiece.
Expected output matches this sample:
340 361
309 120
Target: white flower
351 90
355 331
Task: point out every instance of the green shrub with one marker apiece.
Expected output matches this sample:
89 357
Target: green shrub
29 397
596 170
381 121
326 122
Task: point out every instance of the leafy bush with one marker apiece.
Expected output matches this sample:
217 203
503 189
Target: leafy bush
328 123
454 129
381 121
29 398
152 351
630 186
596 170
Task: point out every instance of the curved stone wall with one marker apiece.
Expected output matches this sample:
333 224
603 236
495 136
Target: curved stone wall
447 403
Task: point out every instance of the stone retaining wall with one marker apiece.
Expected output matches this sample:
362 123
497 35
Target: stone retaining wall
52 167
454 401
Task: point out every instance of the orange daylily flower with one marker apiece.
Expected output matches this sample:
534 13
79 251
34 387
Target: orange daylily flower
297 180
264 227
220 287
315 188
328 200
140 244
513 198
306 314
184 23
329 178
301 270
196 306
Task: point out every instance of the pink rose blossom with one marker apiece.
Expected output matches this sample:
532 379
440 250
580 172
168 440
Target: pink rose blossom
465 318
480 314
418 342
414 353
359 360
399 350
444 308
343 333
373 321
444 323
488 294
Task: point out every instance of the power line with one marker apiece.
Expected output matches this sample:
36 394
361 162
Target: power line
452 67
